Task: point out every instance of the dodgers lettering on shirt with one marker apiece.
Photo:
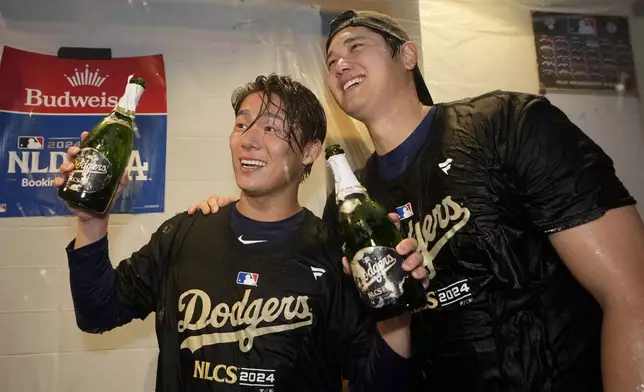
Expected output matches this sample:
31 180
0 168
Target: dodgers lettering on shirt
46 103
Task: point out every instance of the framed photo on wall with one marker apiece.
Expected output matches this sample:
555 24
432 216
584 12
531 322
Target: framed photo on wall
584 53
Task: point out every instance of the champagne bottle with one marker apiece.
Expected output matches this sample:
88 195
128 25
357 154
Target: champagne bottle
104 156
369 242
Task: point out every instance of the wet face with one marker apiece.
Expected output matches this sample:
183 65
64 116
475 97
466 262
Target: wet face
364 76
263 160
360 70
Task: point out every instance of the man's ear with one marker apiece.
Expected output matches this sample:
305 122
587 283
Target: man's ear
409 55
311 152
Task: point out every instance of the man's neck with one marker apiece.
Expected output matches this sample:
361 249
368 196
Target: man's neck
269 208
396 123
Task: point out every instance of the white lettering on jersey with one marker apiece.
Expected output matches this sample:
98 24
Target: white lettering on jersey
447 213
263 379
239 314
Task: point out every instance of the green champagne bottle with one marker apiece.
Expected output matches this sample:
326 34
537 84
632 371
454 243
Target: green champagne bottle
104 156
369 242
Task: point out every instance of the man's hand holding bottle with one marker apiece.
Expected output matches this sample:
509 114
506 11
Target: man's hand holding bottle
67 167
91 227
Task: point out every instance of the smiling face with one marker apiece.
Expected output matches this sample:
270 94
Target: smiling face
264 160
363 74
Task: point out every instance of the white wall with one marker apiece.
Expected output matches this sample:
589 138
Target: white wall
210 49
471 47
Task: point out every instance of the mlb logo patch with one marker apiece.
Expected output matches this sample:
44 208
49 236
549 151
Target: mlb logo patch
405 211
31 142
247 278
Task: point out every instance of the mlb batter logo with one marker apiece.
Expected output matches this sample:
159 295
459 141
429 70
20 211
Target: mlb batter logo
31 142
405 211
247 278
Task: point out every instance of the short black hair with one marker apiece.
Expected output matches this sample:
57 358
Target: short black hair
304 114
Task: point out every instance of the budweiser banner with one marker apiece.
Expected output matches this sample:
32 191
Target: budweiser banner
46 103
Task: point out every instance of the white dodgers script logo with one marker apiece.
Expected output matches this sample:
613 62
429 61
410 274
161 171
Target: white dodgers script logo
254 319
447 213
377 271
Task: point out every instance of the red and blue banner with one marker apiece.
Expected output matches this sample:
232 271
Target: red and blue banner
45 104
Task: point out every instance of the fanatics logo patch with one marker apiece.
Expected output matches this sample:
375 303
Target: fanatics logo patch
405 211
247 278
317 272
445 166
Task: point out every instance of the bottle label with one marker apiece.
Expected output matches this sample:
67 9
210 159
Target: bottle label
378 273
92 172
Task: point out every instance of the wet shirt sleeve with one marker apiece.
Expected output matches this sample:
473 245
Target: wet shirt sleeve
106 297
561 177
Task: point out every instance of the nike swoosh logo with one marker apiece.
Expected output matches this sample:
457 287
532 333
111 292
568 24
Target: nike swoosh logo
248 242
